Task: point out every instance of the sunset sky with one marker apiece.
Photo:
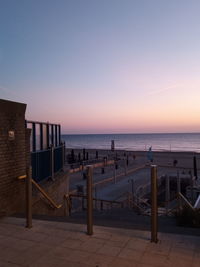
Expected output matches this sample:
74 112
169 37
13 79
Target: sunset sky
103 66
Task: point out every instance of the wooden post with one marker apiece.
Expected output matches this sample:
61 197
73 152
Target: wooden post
89 173
154 205
28 198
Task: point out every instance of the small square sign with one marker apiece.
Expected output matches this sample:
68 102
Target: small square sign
11 135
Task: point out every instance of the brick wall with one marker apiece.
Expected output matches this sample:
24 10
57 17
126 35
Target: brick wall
14 159
56 190
12 155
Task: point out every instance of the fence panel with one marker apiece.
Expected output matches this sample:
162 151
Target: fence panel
41 164
58 161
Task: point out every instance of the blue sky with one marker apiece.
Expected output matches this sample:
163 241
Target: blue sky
103 66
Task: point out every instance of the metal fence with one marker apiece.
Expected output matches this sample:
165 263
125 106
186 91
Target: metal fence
47 150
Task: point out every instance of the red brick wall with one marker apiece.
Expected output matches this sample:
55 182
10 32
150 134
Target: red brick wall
14 158
12 155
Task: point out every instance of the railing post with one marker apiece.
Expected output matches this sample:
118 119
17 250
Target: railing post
28 198
154 205
52 162
63 155
89 173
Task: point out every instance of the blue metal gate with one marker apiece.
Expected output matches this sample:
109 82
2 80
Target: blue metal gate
46 149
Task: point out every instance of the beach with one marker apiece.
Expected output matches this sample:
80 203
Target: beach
166 158
114 183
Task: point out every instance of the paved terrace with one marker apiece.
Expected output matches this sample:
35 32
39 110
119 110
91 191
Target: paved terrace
64 244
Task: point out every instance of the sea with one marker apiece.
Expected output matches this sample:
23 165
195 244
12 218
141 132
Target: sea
135 142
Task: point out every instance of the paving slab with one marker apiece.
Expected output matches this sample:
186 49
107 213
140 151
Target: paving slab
59 244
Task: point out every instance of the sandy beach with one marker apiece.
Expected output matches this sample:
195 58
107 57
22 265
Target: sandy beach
184 159
114 189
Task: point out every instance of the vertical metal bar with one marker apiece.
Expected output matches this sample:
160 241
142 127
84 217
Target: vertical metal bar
195 166
63 155
41 136
154 206
52 162
33 137
52 134
28 198
59 135
56 135
89 173
47 135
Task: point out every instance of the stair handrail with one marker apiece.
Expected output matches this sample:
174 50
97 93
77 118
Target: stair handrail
52 202
185 201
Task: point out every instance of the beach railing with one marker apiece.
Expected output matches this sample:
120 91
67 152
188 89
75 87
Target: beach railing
99 204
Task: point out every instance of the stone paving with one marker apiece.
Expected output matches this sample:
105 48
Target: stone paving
64 244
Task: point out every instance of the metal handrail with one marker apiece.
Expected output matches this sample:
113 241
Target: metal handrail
97 199
185 201
42 192
45 195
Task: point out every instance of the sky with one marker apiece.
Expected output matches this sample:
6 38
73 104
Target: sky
103 66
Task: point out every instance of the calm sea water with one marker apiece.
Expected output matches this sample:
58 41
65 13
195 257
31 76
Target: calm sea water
140 142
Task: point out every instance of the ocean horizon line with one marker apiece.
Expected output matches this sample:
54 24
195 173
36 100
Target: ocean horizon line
130 133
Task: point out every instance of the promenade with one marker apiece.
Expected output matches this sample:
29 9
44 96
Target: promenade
58 244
